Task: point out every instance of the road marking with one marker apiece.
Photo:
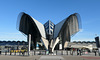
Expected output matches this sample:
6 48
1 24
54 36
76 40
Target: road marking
51 58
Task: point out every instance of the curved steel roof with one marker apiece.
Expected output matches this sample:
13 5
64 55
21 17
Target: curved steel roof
21 28
73 23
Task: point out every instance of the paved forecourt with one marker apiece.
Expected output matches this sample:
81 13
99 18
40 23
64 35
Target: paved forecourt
48 57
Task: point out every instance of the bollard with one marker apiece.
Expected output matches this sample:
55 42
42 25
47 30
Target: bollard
56 52
10 53
95 53
77 52
0 52
45 52
80 52
34 52
40 52
19 53
23 53
66 52
15 52
5 52
62 52
70 52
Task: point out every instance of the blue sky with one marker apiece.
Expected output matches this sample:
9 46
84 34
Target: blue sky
54 10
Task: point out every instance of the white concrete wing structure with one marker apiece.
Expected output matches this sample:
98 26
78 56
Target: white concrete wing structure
40 27
45 42
67 28
28 25
48 34
55 43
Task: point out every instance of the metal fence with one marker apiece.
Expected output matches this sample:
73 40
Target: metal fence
44 52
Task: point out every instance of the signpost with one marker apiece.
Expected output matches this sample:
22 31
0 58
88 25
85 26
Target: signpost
98 44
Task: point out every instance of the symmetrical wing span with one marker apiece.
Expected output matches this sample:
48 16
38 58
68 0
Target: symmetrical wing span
62 31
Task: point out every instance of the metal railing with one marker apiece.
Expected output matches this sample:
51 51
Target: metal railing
44 52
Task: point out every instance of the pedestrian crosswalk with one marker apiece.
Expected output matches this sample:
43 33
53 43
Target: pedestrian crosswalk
51 58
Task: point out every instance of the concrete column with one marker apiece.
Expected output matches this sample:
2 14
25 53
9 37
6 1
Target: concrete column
29 43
